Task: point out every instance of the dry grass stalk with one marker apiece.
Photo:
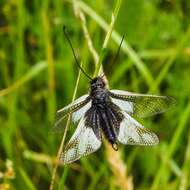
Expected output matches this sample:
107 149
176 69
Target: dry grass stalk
119 169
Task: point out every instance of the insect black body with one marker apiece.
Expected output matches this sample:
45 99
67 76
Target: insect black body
104 111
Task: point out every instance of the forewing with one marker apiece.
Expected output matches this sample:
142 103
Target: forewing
78 108
77 115
83 142
141 105
133 133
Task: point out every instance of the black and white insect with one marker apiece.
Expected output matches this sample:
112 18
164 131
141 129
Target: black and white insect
109 113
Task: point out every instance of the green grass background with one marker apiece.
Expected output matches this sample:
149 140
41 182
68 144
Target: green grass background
38 76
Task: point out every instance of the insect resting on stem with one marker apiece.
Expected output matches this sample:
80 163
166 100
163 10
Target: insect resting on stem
109 113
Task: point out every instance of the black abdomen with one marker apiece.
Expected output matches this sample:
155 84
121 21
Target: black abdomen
109 116
106 124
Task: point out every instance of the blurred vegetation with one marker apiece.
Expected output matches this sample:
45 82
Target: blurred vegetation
38 76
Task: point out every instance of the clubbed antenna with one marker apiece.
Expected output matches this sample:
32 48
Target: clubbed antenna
69 41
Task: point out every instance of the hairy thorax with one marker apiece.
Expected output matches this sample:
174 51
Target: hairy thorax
99 96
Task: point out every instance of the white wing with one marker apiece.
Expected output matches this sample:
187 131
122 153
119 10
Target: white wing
76 116
83 142
78 108
72 105
124 105
141 105
132 132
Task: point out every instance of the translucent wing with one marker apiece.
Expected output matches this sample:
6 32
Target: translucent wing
77 115
141 105
132 132
78 108
83 142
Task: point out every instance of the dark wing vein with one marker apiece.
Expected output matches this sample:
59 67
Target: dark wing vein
133 133
142 105
84 141
73 107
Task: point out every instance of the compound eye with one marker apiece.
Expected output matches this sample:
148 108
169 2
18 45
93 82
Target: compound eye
93 81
